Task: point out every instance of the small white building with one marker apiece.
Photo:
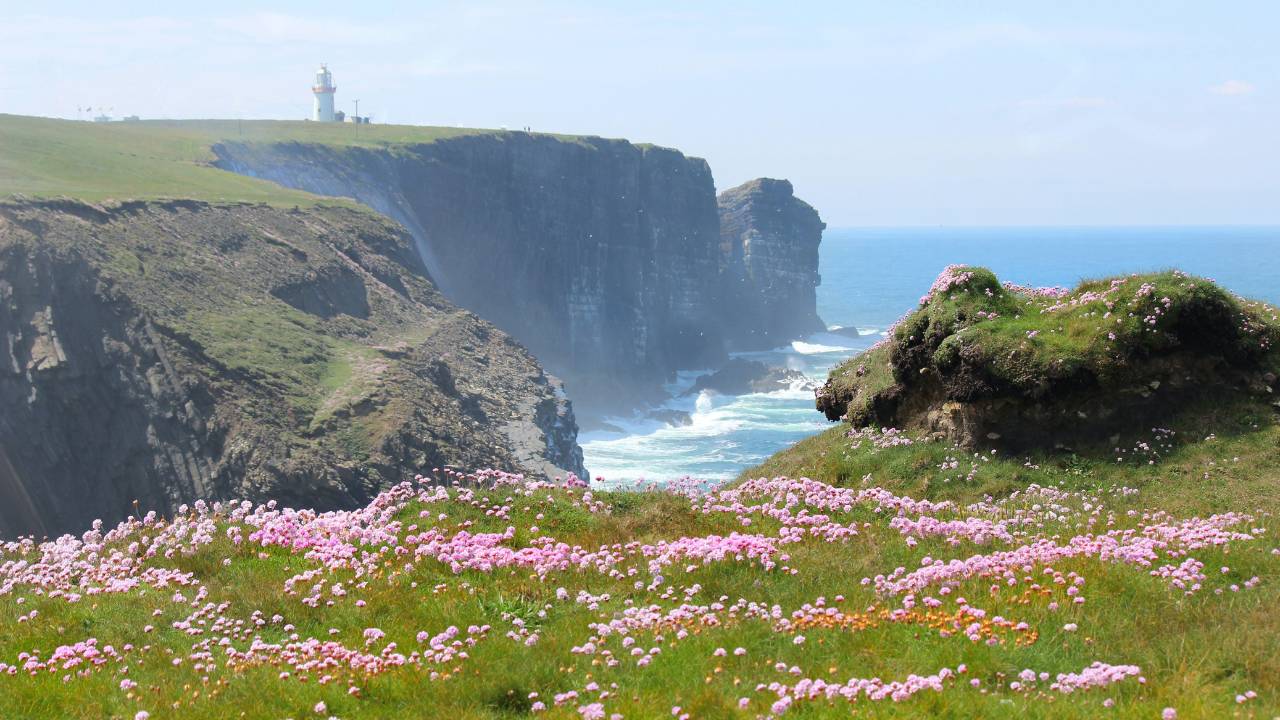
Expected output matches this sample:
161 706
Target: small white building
323 91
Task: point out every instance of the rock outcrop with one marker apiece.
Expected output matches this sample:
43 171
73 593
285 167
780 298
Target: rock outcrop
162 352
740 376
607 259
983 364
770 240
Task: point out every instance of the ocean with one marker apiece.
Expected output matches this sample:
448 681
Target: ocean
870 278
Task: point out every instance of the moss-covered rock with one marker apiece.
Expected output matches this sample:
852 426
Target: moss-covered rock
982 362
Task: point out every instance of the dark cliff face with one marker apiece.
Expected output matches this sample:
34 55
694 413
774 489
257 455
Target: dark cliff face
599 255
770 239
608 260
93 414
164 352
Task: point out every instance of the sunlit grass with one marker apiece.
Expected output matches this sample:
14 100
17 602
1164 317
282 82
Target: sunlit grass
1196 653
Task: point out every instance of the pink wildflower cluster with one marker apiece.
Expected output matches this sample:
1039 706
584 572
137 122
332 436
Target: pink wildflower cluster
871 689
1036 293
496 523
977 530
1064 300
951 278
1136 547
879 439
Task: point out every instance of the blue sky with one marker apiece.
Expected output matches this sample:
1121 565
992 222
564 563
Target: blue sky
886 113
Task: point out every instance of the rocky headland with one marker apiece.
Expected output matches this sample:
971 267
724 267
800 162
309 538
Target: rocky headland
163 352
614 263
192 345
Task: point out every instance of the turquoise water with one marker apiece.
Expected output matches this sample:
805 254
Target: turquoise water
871 277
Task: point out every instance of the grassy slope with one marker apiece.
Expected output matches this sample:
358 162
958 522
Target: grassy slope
1196 652
42 157
247 331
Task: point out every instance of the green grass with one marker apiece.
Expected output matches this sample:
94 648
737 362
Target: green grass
1196 653
164 159
1221 456
284 350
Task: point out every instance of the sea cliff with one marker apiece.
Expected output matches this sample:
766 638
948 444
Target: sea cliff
163 352
613 262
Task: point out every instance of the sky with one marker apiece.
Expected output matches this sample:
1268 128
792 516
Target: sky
880 113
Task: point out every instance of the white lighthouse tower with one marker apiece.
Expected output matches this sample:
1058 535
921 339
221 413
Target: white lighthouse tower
323 90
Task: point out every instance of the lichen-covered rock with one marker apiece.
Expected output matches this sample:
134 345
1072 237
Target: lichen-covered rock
168 351
769 239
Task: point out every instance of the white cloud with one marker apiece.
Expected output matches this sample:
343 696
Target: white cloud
1232 87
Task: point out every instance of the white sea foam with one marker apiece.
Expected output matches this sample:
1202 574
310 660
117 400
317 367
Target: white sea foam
705 402
806 348
725 433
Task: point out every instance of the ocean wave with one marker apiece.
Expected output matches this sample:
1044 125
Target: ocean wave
705 402
805 348
725 433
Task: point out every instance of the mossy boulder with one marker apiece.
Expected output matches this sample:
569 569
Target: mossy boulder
988 363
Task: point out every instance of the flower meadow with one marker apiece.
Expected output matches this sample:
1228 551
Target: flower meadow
490 595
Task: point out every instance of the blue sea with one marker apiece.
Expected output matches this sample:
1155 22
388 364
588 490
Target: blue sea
870 278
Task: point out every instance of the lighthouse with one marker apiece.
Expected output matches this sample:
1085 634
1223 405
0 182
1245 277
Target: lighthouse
323 91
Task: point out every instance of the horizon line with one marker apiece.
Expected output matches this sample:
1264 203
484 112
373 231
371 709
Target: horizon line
1039 226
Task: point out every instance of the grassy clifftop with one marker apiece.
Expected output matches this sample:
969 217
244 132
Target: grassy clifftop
162 159
941 585
1209 451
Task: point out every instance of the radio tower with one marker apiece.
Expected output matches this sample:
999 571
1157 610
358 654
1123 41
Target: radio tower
323 90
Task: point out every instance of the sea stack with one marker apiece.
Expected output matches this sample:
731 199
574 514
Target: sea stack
769 239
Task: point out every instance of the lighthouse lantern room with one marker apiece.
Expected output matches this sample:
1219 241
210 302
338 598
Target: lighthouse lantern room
323 91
